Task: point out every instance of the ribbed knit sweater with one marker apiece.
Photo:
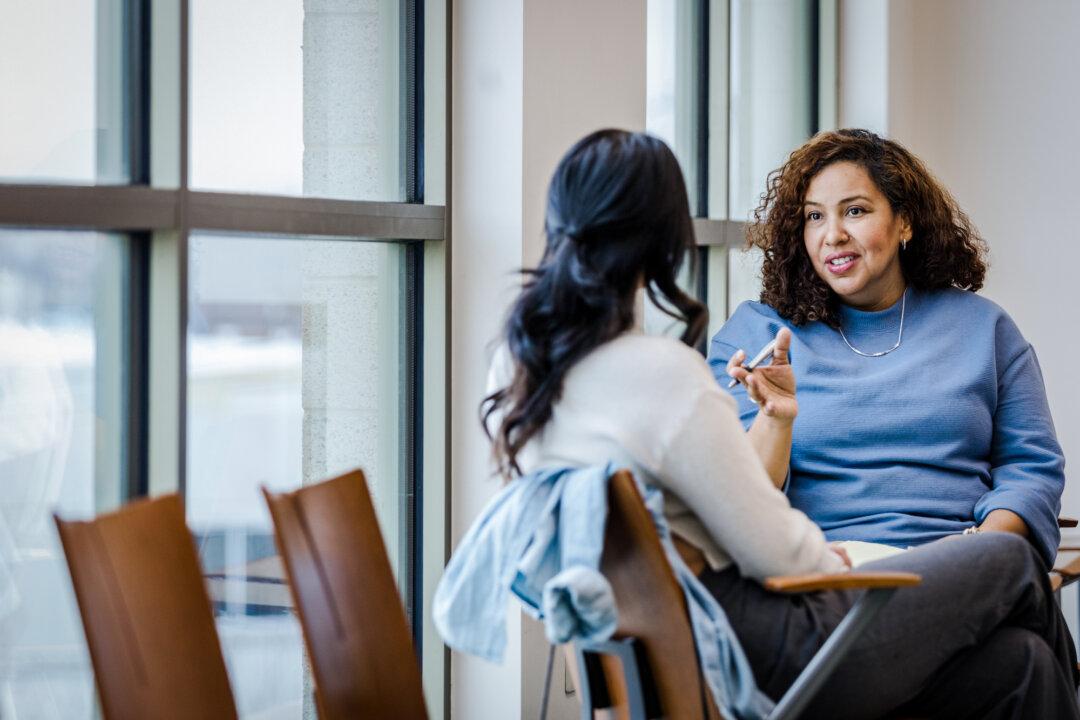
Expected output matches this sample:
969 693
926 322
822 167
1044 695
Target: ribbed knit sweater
923 442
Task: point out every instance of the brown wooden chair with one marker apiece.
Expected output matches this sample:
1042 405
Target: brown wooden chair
1066 568
147 618
650 668
354 624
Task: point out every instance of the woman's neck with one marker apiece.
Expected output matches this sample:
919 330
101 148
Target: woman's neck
884 299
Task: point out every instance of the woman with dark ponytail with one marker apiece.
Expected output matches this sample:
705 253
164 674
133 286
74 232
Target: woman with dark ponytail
575 383
608 235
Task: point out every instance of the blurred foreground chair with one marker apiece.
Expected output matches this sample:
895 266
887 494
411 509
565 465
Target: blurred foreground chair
650 669
146 614
354 624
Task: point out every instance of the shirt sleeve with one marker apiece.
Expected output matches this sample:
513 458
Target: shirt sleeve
710 464
1027 466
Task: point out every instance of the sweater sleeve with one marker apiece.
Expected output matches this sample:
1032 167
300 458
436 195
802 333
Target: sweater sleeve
1027 467
710 464
720 354
749 330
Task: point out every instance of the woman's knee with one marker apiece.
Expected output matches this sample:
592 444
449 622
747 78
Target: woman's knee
1009 552
1019 647
986 555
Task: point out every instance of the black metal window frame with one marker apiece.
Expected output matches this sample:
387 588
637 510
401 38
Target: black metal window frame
719 233
139 209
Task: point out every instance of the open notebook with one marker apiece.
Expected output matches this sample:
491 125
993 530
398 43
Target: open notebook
863 552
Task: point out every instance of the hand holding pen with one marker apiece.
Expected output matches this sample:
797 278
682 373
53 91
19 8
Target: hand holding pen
772 386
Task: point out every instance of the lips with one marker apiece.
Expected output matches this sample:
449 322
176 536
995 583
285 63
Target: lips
840 263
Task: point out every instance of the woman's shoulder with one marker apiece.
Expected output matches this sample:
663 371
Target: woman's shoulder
752 311
629 357
661 352
972 307
751 325
964 301
981 317
660 362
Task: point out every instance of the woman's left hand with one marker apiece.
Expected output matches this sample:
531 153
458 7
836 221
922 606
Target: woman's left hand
839 551
771 387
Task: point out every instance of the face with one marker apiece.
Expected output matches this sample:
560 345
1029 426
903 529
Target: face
853 237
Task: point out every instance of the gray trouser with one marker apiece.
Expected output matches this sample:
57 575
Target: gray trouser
981 637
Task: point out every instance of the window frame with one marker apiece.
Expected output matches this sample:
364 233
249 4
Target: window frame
720 233
158 212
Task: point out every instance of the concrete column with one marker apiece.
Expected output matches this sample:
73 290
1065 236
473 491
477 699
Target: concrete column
351 292
351 99
350 388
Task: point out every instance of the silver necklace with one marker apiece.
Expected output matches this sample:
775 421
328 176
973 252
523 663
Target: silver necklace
899 337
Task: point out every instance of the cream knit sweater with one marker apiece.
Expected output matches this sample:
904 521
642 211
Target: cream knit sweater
652 405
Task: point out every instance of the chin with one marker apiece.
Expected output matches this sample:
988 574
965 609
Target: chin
844 291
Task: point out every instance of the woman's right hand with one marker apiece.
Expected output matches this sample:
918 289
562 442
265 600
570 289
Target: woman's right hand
771 387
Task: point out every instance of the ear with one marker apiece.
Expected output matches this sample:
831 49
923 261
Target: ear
905 229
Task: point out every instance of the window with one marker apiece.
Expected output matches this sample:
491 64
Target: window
733 87
221 267
331 72
62 314
61 73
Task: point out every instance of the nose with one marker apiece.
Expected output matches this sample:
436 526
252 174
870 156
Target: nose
835 234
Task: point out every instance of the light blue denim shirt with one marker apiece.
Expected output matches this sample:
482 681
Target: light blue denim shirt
541 539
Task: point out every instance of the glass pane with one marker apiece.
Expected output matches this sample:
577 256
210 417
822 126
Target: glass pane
716 286
671 102
654 320
61 322
295 370
61 74
744 277
773 98
719 56
671 113
296 97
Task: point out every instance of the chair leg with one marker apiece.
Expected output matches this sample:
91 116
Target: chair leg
642 701
831 653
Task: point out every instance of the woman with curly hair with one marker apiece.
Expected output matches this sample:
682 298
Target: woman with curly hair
921 408
575 383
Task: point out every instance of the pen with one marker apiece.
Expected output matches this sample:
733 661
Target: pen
758 359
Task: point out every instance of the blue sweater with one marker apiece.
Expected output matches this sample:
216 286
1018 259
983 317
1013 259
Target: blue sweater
920 443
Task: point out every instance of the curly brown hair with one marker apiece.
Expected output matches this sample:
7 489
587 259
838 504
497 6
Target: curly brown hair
945 251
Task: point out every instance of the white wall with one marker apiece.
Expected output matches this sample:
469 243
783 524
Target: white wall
584 70
985 91
863 35
485 248
529 78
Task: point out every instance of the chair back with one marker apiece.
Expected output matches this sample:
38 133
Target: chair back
148 621
354 623
652 609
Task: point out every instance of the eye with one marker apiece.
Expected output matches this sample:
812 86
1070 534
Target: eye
813 215
855 211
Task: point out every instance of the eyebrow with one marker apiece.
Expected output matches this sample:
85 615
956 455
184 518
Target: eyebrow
842 202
